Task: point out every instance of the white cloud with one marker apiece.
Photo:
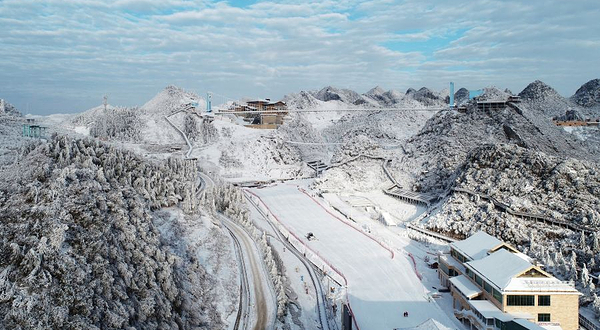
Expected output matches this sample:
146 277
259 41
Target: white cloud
268 49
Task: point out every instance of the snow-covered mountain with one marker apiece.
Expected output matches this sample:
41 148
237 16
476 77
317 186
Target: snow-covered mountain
546 100
301 100
374 98
8 109
542 98
448 137
144 124
330 93
532 182
461 96
170 100
588 95
427 97
427 159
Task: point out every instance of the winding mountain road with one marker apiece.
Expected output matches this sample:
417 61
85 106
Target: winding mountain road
257 304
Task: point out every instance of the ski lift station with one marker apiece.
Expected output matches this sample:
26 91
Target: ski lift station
482 105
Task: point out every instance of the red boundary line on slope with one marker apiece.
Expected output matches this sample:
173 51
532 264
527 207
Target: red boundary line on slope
346 223
313 251
415 266
299 239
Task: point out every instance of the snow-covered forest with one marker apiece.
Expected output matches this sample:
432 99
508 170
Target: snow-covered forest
80 250
117 123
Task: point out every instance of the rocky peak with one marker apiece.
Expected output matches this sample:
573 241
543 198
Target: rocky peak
588 94
330 93
461 95
426 93
8 109
538 90
375 91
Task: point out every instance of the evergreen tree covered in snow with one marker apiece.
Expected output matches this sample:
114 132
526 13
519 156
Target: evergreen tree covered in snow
229 200
190 128
120 123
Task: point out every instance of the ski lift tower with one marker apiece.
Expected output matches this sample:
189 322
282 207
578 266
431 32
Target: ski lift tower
208 102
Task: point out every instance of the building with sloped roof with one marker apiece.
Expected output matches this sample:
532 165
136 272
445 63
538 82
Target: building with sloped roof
494 286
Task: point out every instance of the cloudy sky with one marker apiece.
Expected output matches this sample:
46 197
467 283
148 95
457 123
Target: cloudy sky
63 55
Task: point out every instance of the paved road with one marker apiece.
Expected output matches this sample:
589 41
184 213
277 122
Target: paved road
262 301
241 319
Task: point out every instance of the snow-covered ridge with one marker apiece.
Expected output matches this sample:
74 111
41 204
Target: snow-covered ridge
588 95
374 98
8 109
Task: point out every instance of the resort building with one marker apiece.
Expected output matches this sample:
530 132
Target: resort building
261 113
494 286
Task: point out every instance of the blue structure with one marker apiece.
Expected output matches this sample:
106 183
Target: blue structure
451 95
475 93
208 102
34 131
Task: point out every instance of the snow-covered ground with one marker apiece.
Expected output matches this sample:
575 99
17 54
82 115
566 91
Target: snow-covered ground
380 288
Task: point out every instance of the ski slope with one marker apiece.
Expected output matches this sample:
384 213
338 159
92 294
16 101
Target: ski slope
380 288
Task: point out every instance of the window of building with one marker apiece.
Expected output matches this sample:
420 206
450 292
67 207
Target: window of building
487 287
499 324
514 300
444 268
543 300
478 280
470 273
497 295
544 317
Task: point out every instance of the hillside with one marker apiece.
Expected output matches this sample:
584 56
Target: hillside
588 95
545 100
532 182
146 124
8 109
376 97
432 154
79 238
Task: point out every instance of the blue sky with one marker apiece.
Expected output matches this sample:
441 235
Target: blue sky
63 55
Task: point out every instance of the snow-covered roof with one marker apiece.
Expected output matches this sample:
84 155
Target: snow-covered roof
464 285
452 262
540 284
500 267
489 310
528 324
430 324
258 101
477 245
